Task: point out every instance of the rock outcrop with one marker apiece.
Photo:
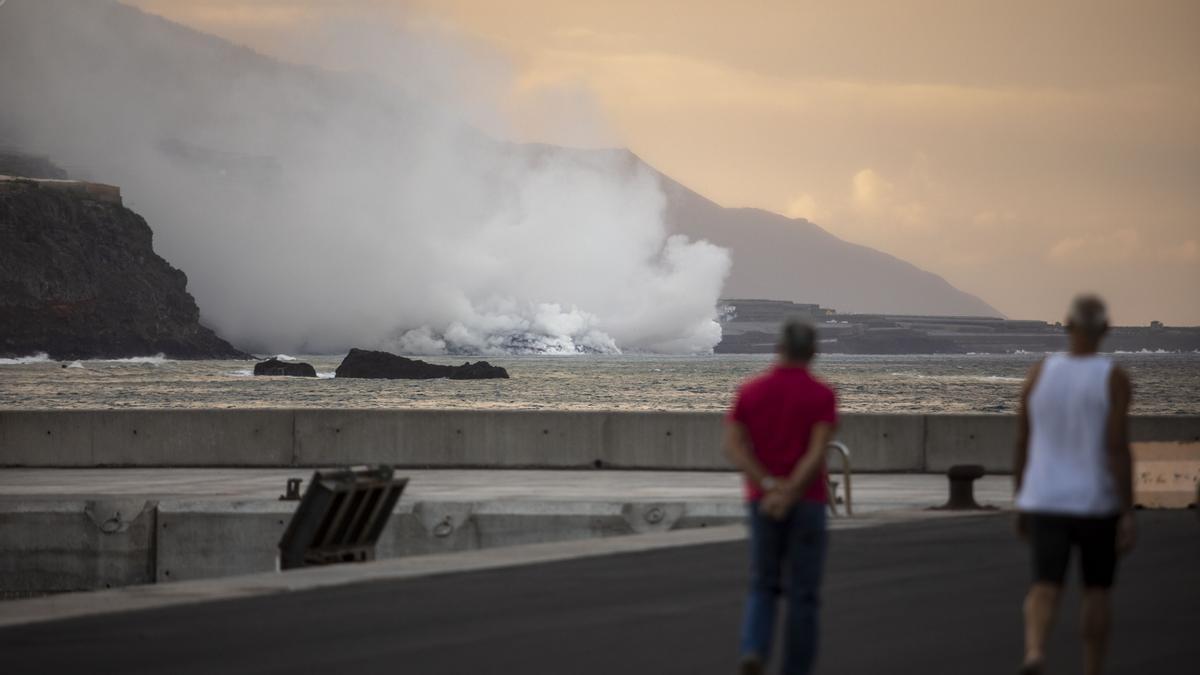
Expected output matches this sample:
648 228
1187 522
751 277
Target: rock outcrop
79 279
274 366
362 363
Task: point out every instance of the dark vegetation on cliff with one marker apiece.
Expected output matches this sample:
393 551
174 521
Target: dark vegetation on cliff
79 279
364 363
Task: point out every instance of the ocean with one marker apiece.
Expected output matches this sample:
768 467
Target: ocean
1165 383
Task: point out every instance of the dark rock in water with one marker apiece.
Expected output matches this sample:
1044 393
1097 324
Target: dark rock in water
274 366
79 279
480 370
364 363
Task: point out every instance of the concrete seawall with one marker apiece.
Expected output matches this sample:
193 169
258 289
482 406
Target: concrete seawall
492 439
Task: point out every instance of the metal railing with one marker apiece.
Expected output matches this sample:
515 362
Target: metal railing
841 449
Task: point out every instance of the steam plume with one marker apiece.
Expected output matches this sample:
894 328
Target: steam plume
315 211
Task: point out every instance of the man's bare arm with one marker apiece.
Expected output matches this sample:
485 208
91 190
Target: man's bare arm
1120 457
1021 454
741 454
809 466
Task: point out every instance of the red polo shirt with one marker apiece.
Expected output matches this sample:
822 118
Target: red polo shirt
779 410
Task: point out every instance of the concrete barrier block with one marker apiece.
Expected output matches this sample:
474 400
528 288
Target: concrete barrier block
654 440
193 438
1177 428
883 442
506 523
559 439
421 528
76 545
987 440
203 539
46 437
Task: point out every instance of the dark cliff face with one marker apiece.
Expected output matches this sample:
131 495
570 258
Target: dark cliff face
79 278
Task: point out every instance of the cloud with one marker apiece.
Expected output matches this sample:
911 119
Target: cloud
1109 247
805 206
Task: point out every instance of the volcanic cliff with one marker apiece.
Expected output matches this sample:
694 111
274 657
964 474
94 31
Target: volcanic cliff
79 278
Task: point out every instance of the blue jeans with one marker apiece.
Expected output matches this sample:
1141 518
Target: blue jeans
797 545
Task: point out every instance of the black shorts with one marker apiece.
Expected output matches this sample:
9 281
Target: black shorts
1053 537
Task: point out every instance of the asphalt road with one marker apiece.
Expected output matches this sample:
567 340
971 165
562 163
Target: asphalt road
927 597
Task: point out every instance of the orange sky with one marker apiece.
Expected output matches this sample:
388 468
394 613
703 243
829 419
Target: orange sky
1023 150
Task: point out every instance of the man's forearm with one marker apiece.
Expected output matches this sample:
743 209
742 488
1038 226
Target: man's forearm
740 455
809 466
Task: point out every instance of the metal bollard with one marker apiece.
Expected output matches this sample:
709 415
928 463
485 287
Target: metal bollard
962 487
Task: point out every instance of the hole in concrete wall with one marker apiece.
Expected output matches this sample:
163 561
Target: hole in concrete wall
47 432
545 431
668 433
971 436
135 432
458 431
885 434
597 464
166 573
337 430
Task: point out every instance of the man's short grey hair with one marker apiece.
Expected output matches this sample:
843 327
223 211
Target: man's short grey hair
1088 314
798 340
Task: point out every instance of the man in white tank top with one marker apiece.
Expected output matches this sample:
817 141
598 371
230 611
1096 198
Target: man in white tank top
1074 481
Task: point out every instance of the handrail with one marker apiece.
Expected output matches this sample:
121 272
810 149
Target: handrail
845 453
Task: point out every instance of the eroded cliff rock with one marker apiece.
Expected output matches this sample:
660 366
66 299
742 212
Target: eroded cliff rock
79 279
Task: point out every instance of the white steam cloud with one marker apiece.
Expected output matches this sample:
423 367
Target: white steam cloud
313 212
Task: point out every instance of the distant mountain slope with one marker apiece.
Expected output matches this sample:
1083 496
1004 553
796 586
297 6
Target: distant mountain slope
782 258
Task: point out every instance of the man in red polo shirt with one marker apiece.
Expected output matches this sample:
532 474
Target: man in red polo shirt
776 434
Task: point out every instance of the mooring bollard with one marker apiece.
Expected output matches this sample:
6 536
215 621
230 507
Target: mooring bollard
962 487
293 491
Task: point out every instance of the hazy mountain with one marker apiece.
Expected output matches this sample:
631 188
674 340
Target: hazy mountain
781 258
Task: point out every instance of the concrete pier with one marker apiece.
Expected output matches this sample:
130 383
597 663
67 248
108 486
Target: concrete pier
73 529
488 439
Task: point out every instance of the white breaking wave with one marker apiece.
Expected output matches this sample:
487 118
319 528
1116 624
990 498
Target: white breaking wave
40 357
326 376
1146 351
156 360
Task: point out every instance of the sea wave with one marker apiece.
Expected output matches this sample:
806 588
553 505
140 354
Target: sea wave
156 360
40 357
1146 351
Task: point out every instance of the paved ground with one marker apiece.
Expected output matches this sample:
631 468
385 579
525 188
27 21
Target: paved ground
872 492
934 596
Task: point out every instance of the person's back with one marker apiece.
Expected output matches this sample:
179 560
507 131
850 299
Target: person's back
1074 481
777 432
1068 469
779 410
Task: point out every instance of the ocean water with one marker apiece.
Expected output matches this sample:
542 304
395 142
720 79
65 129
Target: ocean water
989 383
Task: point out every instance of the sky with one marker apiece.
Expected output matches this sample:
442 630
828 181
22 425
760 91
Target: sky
1025 151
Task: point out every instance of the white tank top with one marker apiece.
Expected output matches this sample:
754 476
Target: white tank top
1067 470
